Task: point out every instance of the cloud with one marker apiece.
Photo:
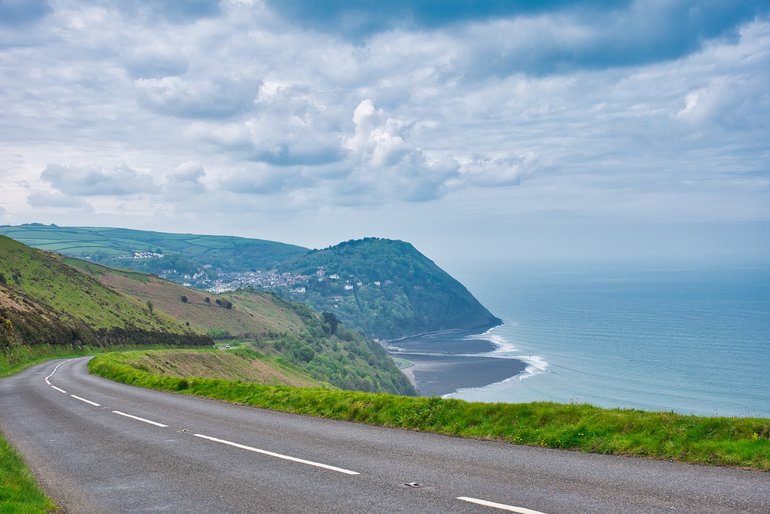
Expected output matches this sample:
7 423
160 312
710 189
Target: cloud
171 11
196 98
186 179
154 61
261 180
21 13
42 199
506 37
290 127
510 170
87 180
362 17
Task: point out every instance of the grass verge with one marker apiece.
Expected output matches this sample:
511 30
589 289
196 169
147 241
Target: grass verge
18 491
739 442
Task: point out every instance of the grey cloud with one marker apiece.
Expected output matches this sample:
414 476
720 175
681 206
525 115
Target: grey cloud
84 180
196 98
56 200
290 128
148 62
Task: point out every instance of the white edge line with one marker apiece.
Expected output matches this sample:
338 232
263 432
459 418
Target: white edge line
84 400
161 425
501 506
278 455
59 389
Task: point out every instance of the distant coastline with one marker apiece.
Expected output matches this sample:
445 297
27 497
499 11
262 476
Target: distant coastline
447 361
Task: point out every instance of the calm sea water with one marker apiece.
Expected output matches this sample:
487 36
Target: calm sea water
696 342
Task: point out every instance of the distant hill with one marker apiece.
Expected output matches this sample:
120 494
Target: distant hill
386 289
186 253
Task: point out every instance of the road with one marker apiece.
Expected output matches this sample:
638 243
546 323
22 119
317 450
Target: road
102 447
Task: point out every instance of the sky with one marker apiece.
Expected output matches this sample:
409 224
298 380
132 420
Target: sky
484 132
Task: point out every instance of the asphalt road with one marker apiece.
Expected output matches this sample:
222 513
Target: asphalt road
99 446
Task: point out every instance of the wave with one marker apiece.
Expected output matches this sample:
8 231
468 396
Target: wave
536 365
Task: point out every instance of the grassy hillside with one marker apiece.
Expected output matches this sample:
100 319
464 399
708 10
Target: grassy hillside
388 289
317 344
252 315
743 442
241 364
46 302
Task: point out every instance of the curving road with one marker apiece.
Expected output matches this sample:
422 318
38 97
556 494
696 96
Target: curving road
99 446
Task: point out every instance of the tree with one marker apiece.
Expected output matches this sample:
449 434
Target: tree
183 298
331 321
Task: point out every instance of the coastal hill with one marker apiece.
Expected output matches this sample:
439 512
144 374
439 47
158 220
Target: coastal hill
384 288
388 289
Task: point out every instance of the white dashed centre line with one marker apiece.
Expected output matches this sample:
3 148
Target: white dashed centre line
84 400
278 455
501 506
59 389
161 425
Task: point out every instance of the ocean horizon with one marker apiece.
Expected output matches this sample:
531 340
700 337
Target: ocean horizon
694 341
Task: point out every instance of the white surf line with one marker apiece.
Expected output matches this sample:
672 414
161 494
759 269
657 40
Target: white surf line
278 455
161 425
501 506
84 400
59 389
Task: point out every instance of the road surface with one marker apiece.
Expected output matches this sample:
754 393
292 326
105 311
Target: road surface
101 447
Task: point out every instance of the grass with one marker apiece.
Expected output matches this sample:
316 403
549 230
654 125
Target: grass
722 441
237 364
19 492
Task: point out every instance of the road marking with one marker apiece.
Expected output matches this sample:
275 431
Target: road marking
501 506
161 425
59 389
84 400
278 455
54 371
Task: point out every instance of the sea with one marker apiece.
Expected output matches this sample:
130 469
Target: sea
693 341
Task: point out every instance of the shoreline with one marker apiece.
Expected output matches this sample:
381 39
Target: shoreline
445 362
